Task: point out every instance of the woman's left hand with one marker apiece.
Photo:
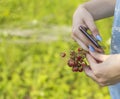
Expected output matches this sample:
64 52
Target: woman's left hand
104 69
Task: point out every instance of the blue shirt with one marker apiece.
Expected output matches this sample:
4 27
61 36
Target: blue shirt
115 42
115 47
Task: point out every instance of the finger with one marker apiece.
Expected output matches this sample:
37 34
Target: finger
89 73
111 82
91 25
80 43
77 33
98 56
91 61
107 84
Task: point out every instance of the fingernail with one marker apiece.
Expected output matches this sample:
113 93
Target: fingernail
91 48
98 37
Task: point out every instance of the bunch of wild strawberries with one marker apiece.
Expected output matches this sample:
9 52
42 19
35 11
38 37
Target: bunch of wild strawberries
77 59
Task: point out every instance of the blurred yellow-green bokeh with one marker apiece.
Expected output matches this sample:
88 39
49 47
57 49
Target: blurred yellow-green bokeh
33 33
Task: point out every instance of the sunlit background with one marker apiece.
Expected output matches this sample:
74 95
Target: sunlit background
33 33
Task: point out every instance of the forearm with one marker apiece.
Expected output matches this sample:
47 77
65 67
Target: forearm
100 8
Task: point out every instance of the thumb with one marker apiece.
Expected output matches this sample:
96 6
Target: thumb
89 21
99 56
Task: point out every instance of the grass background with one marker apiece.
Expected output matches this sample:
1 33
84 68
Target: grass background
33 33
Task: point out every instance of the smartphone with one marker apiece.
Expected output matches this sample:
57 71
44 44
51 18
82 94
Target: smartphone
83 30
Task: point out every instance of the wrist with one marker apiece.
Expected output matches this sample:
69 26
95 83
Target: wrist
84 7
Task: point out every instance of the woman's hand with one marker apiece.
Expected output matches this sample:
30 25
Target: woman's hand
82 17
104 69
85 15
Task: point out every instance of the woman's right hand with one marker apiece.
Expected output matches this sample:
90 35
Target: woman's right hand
82 17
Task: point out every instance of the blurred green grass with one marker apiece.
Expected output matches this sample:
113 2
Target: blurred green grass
47 11
30 66
36 71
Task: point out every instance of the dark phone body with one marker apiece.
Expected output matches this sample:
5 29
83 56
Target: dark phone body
89 37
